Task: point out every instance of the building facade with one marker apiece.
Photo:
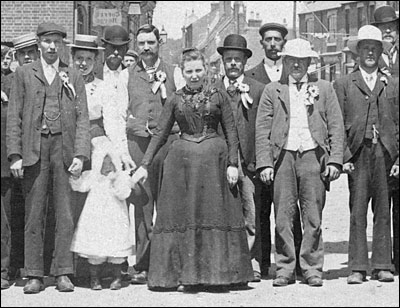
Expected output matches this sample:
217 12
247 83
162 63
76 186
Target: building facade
328 25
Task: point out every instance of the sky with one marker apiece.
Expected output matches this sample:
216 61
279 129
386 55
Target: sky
171 14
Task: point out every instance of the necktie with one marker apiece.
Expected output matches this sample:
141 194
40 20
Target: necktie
369 81
298 85
390 55
231 88
51 73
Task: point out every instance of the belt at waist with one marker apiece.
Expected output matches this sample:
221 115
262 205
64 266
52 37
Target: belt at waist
198 137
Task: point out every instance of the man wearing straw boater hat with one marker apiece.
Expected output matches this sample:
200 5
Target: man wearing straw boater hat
26 52
48 136
368 99
299 146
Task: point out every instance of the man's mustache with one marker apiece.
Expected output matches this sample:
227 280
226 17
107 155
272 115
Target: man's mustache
114 56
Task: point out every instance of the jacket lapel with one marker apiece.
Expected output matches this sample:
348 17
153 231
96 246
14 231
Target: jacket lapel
360 83
283 95
38 69
141 71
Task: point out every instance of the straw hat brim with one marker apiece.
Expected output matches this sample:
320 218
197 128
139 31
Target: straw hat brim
352 44
308 54
85 47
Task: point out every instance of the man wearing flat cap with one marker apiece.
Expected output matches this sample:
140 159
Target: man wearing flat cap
271 69
244 94
369 100
299 146
131 58
26 52
386 20
115 42
48 135
145 88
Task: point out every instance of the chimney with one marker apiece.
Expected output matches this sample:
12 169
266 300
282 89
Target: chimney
254 23
242 24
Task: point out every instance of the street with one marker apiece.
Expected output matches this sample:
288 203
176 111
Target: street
335 291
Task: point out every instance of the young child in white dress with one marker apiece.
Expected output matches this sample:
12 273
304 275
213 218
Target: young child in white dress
102 234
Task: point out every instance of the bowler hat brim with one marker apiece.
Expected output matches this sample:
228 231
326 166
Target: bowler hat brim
247 52
116 43
375 23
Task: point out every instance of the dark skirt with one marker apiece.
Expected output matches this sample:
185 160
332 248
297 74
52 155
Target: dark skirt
199 235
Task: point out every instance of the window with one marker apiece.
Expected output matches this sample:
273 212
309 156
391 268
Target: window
360 17
347 21
332 25
310 28
81 20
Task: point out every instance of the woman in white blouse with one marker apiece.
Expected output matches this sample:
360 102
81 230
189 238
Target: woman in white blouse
107 113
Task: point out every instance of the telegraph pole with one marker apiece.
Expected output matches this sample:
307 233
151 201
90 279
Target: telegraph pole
294 20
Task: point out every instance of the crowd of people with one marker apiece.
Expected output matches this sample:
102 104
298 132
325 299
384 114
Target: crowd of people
199 160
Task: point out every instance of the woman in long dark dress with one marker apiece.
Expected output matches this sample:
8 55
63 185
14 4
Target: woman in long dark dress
199 235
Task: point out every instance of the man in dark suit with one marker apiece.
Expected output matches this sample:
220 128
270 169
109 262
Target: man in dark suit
271 69
244 94
299 146
386 20
145 87
48 135
11 191
368 99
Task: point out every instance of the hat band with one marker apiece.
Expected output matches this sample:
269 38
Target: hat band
117 39
79 43
25 44
386 19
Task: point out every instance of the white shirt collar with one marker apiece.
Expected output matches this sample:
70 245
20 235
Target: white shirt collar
374 74
107 70
155 64
272 63
238 80
47 66
293 81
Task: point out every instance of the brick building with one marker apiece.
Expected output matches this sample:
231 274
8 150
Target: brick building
77 17
329 24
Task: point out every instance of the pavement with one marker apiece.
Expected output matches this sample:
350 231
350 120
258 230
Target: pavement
334 293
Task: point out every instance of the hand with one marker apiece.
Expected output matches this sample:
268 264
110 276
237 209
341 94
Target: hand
127 162
395 171
140 175
332 172
267 175
76 167
4 97
16 168
232 175
348 168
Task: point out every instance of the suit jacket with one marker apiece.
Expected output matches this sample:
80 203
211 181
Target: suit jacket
25 114
246 120
258 73
324 118
6 88
144 105
354 98
395 70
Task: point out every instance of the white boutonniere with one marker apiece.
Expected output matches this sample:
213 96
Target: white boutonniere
159 82
384 80
65 80
244 93
312 94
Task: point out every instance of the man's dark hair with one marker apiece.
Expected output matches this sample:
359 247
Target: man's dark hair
147 29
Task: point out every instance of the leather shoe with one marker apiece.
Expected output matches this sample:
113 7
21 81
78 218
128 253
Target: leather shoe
64 284
282 281
139 278
357 277
314 281
382 275
257 276
4 284
33 286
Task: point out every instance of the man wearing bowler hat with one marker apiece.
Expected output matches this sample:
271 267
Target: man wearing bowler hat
116 40
368 99
48 136
244 94
273 39
299 146
386 20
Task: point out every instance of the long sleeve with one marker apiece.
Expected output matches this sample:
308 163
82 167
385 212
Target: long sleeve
14 115
83 183
162 131
229 128
265 114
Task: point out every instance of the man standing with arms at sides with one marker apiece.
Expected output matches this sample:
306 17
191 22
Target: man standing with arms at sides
369 99
244 94
299 146
48 135
386 20
271 69
146 86
11 191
